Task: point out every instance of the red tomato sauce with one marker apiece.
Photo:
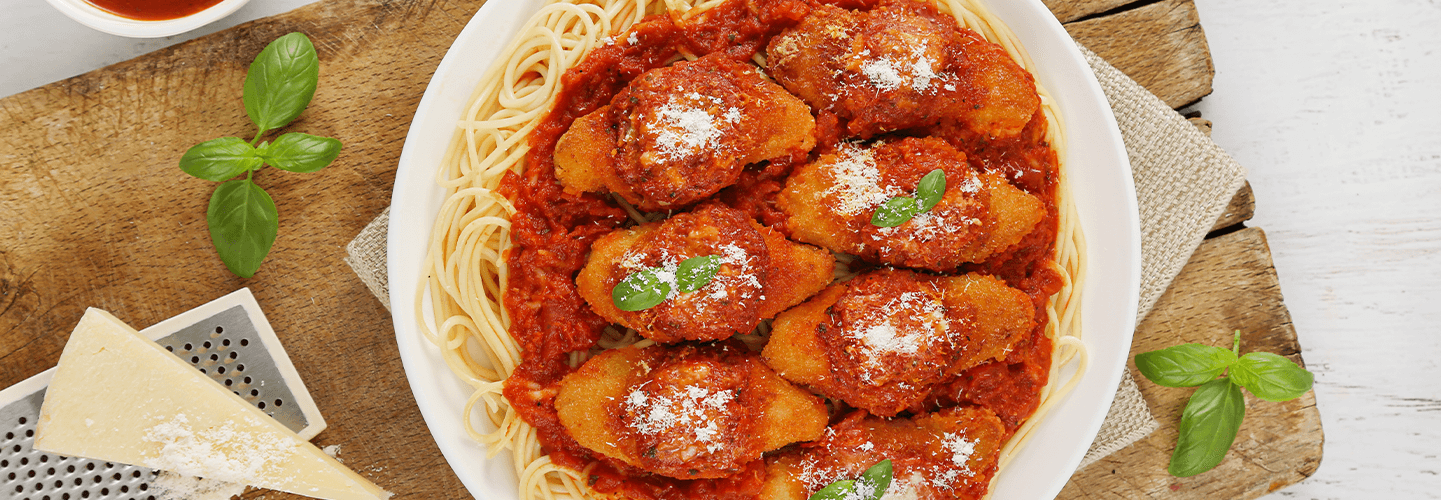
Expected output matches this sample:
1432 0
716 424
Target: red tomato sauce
552 232
153 10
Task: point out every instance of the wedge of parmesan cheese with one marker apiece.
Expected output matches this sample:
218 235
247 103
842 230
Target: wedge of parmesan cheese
119 397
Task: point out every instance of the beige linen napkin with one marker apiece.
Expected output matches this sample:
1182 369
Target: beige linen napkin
1183 183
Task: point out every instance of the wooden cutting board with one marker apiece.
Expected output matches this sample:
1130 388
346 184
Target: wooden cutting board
94 213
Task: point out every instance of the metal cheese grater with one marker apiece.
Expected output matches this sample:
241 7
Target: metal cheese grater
228 339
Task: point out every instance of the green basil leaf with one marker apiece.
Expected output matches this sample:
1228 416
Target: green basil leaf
220 159
281 81
696 272
1271 377
1208 427
1185 365
894 212
835 491
297 152
931 189
243 223
878 476
641 290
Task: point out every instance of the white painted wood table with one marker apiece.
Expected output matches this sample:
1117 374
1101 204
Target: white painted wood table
1331 105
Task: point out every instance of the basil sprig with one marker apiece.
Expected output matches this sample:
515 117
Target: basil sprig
1213 416
875 480
242 217
649 287
898 210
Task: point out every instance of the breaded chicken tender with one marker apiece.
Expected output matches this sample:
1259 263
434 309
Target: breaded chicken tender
760 274
830 202
948 455
679 134
881 341
688 412
902 65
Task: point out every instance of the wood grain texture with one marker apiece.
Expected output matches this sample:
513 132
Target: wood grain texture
96 214
1160 45
1228 284
1071 10
1202 124
1241 209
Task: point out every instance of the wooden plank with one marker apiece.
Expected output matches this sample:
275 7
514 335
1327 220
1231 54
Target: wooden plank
1241 209
1229 284
97 214
1160 45
1202 124
1071 10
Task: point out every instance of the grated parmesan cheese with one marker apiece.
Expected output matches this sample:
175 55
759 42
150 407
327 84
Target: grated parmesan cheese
691 411
171 486
221 453
883 74
915 70
940 221
856 181
686 130
878 336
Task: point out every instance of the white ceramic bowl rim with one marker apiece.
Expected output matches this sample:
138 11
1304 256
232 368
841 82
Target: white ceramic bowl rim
101 20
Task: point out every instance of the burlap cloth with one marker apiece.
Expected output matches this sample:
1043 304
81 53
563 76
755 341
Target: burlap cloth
1183 182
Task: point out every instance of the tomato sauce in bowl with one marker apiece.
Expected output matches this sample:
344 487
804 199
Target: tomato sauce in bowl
153 10
146 18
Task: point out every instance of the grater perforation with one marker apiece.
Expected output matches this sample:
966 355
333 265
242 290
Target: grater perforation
227 339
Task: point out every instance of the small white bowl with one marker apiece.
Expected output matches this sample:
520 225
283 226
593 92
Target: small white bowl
104 21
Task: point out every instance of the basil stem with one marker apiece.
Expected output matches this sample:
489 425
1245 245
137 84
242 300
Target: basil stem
1213 415
242 217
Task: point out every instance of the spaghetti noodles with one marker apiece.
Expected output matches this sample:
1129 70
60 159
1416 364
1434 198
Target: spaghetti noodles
465 266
